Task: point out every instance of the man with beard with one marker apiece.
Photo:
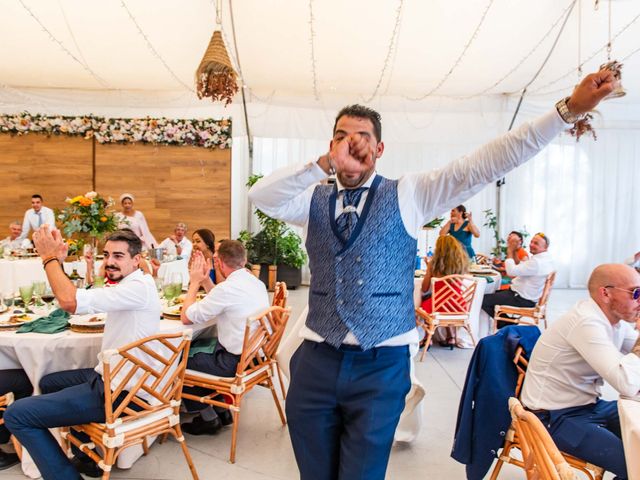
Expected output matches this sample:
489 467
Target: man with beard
77 396
594 341
350 376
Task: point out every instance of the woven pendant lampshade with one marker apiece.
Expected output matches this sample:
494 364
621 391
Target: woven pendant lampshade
215 76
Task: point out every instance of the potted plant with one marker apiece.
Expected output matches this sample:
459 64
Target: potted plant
500 249
276 248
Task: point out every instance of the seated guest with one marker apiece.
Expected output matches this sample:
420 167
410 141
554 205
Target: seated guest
449 258
592 343
16 382
230 304
178 244
205 241
77 396
15 240
37 216
134 219
521 254
529 276
462 228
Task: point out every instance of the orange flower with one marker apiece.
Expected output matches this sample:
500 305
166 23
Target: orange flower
103 219
85 202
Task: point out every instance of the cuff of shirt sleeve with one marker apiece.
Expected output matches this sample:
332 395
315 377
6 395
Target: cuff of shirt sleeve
313 172
83 300
631 366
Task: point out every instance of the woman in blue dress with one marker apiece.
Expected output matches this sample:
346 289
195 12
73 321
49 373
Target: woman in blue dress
205 241
461 227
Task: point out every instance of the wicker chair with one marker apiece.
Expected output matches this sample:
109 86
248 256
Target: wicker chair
261 337
519 315
541 458
451 299
280 297
512 441
132 420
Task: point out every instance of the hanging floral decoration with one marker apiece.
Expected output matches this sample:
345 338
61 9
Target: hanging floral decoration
207 133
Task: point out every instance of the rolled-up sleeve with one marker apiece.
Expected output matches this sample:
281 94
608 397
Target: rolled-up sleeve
621 371
523 269
209 307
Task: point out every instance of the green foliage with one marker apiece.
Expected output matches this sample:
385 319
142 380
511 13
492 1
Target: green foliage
500 249
435 223
275 243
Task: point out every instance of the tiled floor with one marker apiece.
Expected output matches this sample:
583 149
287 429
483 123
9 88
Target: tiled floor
264 451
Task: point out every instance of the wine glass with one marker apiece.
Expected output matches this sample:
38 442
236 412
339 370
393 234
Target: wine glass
38 290
176 280
7 299
48 297
169 291
26 293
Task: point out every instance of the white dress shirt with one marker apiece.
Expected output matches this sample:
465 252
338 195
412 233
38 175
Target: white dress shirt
170 247
286 194
17 243
530 275
133 309
575 354
231 303
33 220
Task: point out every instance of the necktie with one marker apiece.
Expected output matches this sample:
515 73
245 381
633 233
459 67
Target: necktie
348 219
39 219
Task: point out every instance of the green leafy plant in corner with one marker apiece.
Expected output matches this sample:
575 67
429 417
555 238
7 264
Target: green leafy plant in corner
435 223
275 243
491 221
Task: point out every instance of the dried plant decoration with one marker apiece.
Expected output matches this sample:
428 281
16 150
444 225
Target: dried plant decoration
215 76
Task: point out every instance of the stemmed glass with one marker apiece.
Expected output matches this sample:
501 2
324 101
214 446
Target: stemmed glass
7 299
48 297
26 293
176 281
38 289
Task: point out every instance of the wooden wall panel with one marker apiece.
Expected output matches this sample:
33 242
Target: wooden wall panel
55 167
171 184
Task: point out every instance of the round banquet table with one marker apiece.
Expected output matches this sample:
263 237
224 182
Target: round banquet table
39 354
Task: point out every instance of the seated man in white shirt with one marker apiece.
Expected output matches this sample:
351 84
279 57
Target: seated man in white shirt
594 341
15 240
634 261
37 216
77 396
530 275
178 244
230 303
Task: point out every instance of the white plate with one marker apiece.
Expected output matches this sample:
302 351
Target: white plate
3 308
4 320
172 310
86 320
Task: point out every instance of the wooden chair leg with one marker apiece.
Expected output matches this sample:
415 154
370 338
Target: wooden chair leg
108 461
18 446
185 451
145 446
277 400
234 432
427 342
505 453
468 329
281 381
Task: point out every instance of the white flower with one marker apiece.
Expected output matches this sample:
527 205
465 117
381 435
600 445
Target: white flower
91 195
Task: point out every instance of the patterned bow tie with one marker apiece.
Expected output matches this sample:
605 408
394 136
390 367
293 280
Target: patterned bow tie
348 219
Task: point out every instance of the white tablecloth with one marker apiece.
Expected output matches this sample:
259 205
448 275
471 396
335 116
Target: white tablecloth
39 354
177 266
15 273
629 411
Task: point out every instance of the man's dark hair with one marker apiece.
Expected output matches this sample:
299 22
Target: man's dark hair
360 111
125 235
518 234
37 195
233 253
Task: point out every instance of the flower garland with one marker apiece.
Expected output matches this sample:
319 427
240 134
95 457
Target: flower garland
208 133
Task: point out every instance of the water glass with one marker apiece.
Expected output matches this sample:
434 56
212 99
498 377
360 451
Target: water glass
26 292
7 299
98 282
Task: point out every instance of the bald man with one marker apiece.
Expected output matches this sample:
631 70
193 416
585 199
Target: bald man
596 340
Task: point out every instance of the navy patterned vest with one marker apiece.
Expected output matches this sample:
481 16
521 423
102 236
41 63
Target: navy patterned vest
365 285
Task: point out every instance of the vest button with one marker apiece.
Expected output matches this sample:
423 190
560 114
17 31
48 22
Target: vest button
340 302
359 302
358 259
340 280
338 258
360 282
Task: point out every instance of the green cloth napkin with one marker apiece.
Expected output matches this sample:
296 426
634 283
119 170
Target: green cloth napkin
202 345
489 278
55 322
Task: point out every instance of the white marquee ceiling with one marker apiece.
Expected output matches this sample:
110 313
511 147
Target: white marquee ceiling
123 48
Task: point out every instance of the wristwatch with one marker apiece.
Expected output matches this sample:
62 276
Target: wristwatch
564 112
